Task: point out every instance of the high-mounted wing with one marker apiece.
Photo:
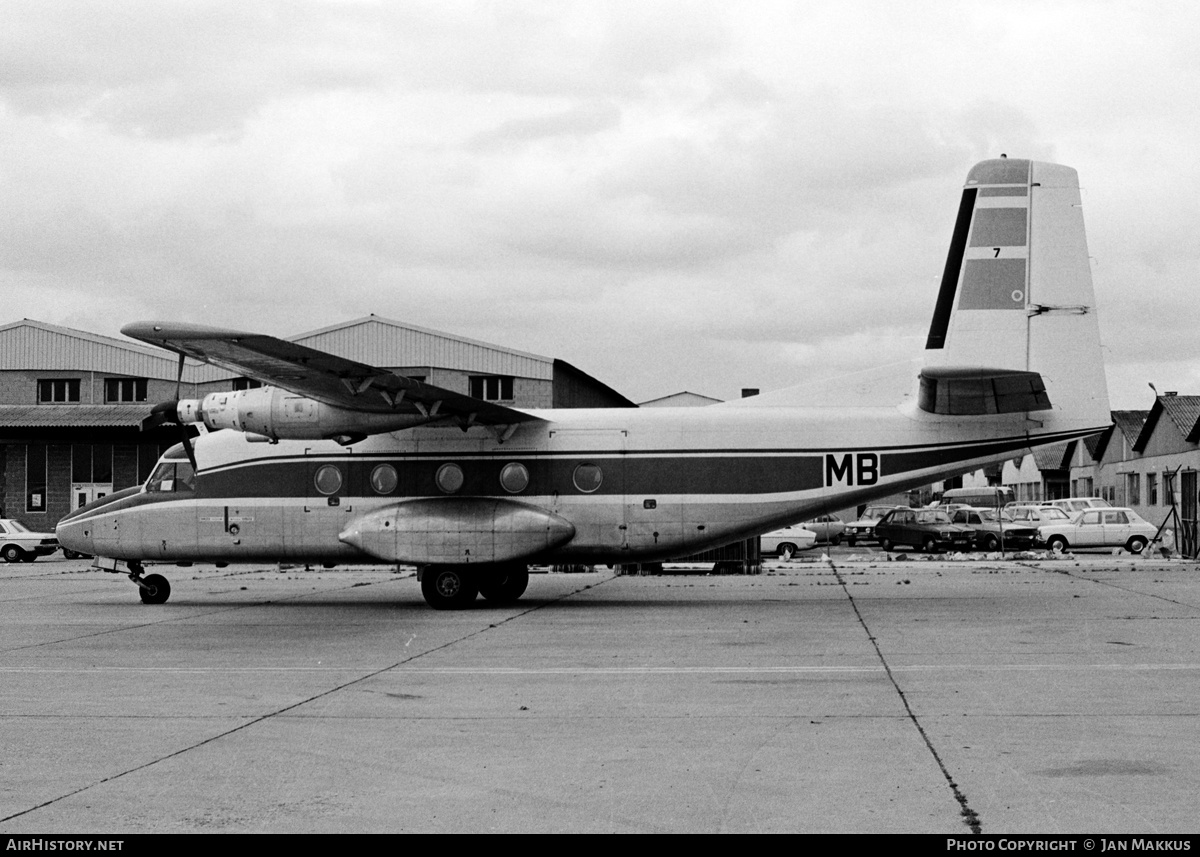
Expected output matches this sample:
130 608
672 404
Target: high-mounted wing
325 378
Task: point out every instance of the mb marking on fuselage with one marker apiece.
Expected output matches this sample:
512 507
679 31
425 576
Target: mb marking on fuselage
340 462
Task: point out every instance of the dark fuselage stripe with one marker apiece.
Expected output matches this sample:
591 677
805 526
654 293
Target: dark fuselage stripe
640 475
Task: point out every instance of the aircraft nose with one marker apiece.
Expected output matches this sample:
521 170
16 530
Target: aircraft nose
75 534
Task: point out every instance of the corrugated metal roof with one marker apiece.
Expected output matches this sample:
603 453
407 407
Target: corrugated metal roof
1130 423
1095 443
382 342
71 416
1184 411
35 345
1053 457
377 341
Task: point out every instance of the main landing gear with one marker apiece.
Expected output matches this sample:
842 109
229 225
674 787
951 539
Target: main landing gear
454 587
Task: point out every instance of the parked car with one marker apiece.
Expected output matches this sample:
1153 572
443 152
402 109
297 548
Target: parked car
864 528
1071 505
930 529
1037 515
20 544
993 531
829 529
787 542
1100 528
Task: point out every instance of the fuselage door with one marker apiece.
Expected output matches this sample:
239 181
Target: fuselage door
322 505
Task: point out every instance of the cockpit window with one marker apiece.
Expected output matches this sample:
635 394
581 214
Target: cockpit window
172 477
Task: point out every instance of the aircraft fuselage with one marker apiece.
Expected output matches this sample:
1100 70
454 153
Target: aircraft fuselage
611 485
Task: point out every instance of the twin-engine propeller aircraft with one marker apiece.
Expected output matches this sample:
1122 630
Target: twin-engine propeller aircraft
364 465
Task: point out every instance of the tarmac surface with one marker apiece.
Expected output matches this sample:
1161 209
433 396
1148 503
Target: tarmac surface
861 694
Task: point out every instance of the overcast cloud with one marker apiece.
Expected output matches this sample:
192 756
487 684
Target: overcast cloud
671 196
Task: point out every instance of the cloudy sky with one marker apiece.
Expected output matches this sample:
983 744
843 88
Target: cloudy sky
671 196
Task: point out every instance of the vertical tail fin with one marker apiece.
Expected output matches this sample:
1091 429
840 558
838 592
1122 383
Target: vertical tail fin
1015 324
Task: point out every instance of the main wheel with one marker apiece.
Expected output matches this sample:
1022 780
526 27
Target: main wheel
1057 544
449 587
991 543
1137 544
930 544
156 590
70 554
12 553
787 550
504 585
836 540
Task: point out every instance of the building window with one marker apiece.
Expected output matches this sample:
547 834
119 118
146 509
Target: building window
35 478
58 390
245 384
1151 489
1133 489
492 388
92 463
124 389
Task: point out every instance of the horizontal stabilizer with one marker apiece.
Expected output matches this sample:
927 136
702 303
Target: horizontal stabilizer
969 392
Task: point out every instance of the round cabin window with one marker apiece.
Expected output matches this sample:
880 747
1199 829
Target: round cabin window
384 479
449 478
514 477
588 477
328 479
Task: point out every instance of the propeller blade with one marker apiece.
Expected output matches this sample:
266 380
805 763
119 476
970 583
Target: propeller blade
187 447
179 378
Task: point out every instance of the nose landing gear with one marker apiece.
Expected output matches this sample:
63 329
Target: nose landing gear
153 588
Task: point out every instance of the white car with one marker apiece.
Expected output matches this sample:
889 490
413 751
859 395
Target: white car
1037 515
787 542
1071 505
1099 528
20 544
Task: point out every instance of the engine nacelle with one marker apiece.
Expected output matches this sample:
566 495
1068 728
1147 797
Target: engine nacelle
279 415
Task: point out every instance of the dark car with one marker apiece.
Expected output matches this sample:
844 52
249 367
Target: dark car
994 531
929 529
864 528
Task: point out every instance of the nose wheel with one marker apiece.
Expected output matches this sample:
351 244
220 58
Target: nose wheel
153 588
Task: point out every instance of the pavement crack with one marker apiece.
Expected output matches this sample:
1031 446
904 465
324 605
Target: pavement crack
300 703
970 817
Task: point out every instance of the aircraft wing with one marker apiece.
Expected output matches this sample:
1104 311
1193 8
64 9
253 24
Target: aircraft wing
320 376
